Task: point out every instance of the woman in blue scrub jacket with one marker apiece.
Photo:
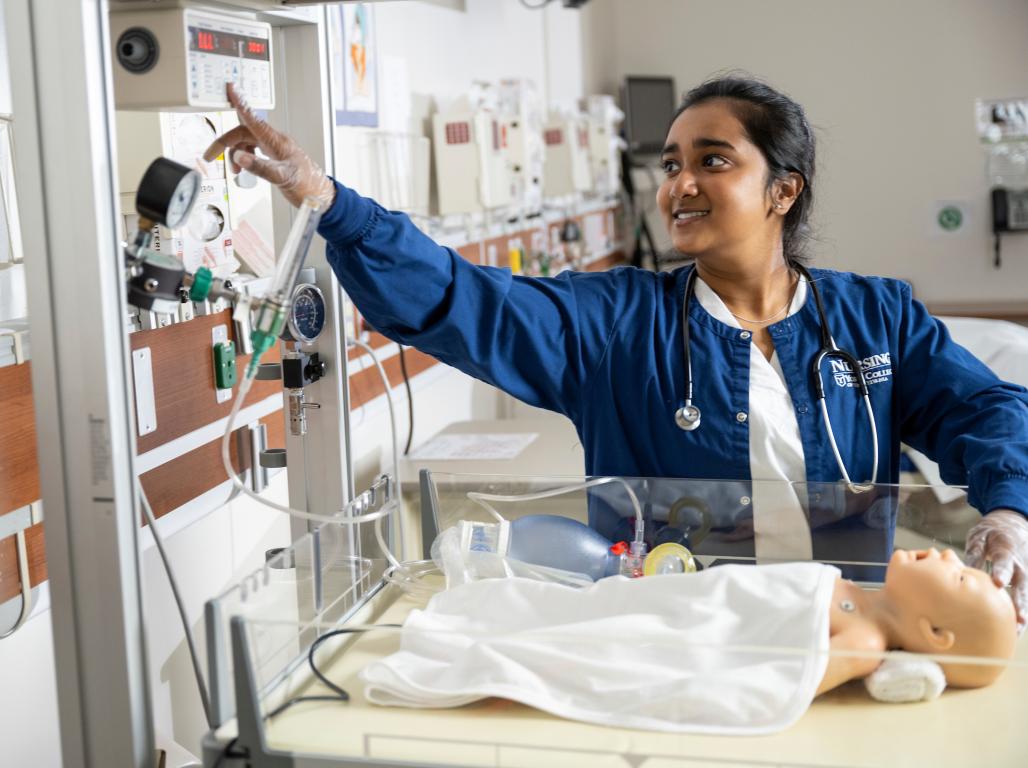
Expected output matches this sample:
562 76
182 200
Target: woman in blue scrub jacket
606 349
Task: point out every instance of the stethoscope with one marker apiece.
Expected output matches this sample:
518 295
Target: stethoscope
688 417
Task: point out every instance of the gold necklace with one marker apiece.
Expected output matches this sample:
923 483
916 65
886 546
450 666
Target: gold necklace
792 294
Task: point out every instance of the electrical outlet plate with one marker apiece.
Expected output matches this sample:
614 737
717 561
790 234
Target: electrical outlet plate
219 335
146 403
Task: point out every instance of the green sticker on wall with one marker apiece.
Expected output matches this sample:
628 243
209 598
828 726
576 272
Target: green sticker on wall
950 218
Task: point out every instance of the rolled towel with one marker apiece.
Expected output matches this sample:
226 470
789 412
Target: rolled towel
906 678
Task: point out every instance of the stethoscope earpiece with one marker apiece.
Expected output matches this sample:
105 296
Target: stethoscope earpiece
687 417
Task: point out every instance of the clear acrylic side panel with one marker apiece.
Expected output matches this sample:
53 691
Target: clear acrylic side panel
319 580
681 669
722 521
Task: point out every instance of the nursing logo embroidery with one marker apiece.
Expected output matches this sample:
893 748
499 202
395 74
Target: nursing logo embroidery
876 368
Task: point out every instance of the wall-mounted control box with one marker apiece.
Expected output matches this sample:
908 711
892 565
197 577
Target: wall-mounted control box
180 59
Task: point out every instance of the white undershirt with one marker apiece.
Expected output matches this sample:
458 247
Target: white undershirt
781 528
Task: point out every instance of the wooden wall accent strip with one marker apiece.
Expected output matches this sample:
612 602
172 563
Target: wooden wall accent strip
183 376
376 341
19 468
35 545
366 385
182 479
615 259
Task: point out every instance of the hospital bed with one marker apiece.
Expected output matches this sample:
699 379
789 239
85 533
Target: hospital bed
1003 347
260 632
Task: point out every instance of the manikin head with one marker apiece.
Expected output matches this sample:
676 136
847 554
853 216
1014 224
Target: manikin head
940 606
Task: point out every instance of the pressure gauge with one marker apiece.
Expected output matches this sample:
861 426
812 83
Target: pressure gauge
306 315
167 192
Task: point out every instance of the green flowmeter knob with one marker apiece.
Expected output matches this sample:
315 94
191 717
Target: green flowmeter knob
201 287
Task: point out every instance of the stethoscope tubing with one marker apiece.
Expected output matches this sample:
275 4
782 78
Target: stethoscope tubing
688 416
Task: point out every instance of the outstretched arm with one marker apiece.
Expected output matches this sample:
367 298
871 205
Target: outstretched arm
539 339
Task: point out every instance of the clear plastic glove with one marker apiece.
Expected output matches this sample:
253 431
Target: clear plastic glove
1002 539
286 165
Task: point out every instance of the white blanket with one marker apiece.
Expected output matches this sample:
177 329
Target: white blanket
690 652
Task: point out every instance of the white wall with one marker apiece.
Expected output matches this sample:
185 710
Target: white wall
446 50
890 90
5 77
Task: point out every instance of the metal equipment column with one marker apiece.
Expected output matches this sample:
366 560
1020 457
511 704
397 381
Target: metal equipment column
80 378
319 463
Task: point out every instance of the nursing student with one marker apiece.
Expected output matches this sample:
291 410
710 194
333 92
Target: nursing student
713 370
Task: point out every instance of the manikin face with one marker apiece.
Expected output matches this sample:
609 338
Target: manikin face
936 592
714 197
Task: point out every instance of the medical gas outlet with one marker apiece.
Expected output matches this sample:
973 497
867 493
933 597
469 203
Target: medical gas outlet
298 371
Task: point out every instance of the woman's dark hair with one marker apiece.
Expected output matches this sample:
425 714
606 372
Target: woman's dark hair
778 127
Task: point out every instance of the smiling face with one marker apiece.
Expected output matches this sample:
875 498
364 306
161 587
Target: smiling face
714 197
943 606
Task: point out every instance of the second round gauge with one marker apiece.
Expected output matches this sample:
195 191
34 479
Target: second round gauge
307 315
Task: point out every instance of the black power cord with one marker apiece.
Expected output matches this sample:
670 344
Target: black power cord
227 752
340 694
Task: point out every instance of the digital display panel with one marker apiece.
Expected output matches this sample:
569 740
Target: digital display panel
228 44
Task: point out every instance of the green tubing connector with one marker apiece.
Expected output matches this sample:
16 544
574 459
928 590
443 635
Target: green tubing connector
262 342
201 287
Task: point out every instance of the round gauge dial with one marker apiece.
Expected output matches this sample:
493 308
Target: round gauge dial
167 192
306 315
182 200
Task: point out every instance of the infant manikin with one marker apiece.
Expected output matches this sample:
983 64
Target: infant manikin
736 649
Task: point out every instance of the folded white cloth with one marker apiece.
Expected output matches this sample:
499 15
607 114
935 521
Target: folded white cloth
688 653
903 679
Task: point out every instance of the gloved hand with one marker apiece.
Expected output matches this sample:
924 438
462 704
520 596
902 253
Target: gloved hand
286 166
1002 538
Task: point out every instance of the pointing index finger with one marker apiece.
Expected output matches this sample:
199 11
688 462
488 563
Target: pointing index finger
267 137
241 134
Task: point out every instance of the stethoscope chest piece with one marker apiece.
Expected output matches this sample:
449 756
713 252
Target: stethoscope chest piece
687 417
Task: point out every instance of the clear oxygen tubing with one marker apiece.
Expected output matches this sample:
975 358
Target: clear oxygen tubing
406 575
483 499
397 527
226 461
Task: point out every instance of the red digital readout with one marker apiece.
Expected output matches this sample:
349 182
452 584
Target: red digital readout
205 41
255 47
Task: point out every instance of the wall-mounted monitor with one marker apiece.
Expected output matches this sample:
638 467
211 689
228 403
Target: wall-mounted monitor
649 103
